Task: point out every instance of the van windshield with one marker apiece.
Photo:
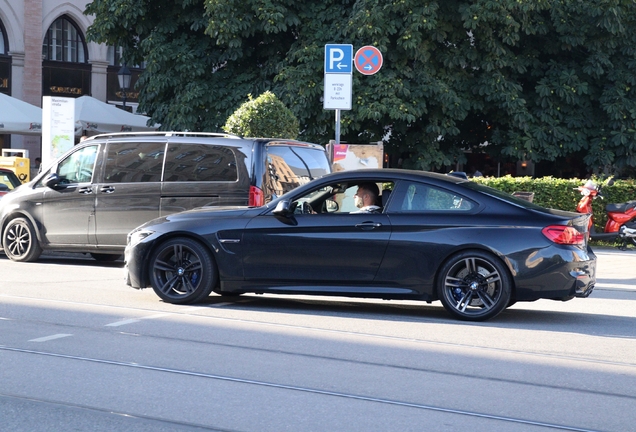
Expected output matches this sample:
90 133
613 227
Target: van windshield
290 166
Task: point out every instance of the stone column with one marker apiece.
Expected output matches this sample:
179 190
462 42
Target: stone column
32 78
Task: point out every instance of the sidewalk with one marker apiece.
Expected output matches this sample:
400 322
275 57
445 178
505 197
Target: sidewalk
615 269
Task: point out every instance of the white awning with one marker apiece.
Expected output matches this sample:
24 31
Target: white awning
95 117
19 117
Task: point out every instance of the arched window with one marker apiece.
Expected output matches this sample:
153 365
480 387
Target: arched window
64 42
3 43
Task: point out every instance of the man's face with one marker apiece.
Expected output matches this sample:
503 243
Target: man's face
358 198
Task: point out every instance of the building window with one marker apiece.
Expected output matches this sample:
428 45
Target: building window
64 42
3 44
114 55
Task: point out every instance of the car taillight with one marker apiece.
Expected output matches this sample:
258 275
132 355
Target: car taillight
565 235
256 198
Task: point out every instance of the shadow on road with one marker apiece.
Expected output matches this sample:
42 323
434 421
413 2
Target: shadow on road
396 311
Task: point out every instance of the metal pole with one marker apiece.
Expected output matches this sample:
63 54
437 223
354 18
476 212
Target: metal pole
337 126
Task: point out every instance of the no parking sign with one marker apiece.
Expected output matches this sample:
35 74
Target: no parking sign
368 60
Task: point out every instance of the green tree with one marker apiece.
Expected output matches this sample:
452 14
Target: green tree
265 116
536 79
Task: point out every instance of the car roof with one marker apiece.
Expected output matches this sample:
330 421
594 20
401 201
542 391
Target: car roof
393 173
199 137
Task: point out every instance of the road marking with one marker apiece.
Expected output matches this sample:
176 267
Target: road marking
134 320
615 287
48 338
121 323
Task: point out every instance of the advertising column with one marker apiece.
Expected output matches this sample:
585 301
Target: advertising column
58 127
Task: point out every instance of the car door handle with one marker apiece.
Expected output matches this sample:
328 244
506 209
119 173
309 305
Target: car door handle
368 225
87 190
108 189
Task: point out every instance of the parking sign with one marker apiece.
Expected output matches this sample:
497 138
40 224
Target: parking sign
338 58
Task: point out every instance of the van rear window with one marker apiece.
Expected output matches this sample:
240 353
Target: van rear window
289 166
200 162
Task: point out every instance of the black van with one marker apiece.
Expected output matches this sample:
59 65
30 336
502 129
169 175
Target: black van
91 197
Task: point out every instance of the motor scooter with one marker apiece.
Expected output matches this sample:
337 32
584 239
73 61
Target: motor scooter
621 218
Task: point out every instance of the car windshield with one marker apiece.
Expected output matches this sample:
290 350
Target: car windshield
8 181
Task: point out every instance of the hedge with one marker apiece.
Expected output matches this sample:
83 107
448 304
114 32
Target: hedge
562 194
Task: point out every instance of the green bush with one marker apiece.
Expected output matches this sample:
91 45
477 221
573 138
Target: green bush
562 194
265 116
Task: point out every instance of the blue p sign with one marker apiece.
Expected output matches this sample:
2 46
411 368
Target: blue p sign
339 58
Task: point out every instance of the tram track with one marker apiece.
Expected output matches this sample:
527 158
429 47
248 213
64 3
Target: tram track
154 313
314 391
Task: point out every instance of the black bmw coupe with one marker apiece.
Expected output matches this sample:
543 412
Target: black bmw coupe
429 237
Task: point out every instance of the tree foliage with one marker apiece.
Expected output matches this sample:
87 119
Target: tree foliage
265 116
536 79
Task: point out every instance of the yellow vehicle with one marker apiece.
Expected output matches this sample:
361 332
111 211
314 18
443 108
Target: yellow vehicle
17 160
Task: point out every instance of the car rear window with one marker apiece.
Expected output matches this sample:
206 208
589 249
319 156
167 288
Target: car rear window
289 166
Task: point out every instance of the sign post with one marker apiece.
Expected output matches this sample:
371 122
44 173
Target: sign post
338 80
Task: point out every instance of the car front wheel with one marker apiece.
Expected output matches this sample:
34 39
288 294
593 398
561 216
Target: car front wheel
20 241
182 271
474 286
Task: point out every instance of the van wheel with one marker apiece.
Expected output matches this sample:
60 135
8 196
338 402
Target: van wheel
105 257
20 242
182 271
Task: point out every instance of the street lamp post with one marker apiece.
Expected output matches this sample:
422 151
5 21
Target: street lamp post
124 76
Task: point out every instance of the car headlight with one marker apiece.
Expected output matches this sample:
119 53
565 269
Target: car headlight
137 236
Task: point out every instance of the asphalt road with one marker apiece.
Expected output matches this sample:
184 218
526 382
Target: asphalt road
79 350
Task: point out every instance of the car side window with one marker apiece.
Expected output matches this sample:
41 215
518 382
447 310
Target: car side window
78 167
420 197
200 162
134 162
339 199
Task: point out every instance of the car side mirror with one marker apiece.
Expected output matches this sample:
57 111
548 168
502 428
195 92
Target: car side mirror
331 206
51 181
283 208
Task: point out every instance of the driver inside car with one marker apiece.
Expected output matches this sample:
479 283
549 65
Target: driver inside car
366 198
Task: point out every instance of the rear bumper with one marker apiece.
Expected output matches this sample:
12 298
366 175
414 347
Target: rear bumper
557 273
584 284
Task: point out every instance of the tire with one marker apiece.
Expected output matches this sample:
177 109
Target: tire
20 241
474 286
182 271
105 257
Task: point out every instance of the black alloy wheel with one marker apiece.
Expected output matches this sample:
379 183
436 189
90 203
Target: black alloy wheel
182 271
474 286
20 241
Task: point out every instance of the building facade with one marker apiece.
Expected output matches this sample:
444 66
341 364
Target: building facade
44 52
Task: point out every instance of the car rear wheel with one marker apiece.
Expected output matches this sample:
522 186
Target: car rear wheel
474 286
182 271
20 241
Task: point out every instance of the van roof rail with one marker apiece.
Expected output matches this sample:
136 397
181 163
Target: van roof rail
166 134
